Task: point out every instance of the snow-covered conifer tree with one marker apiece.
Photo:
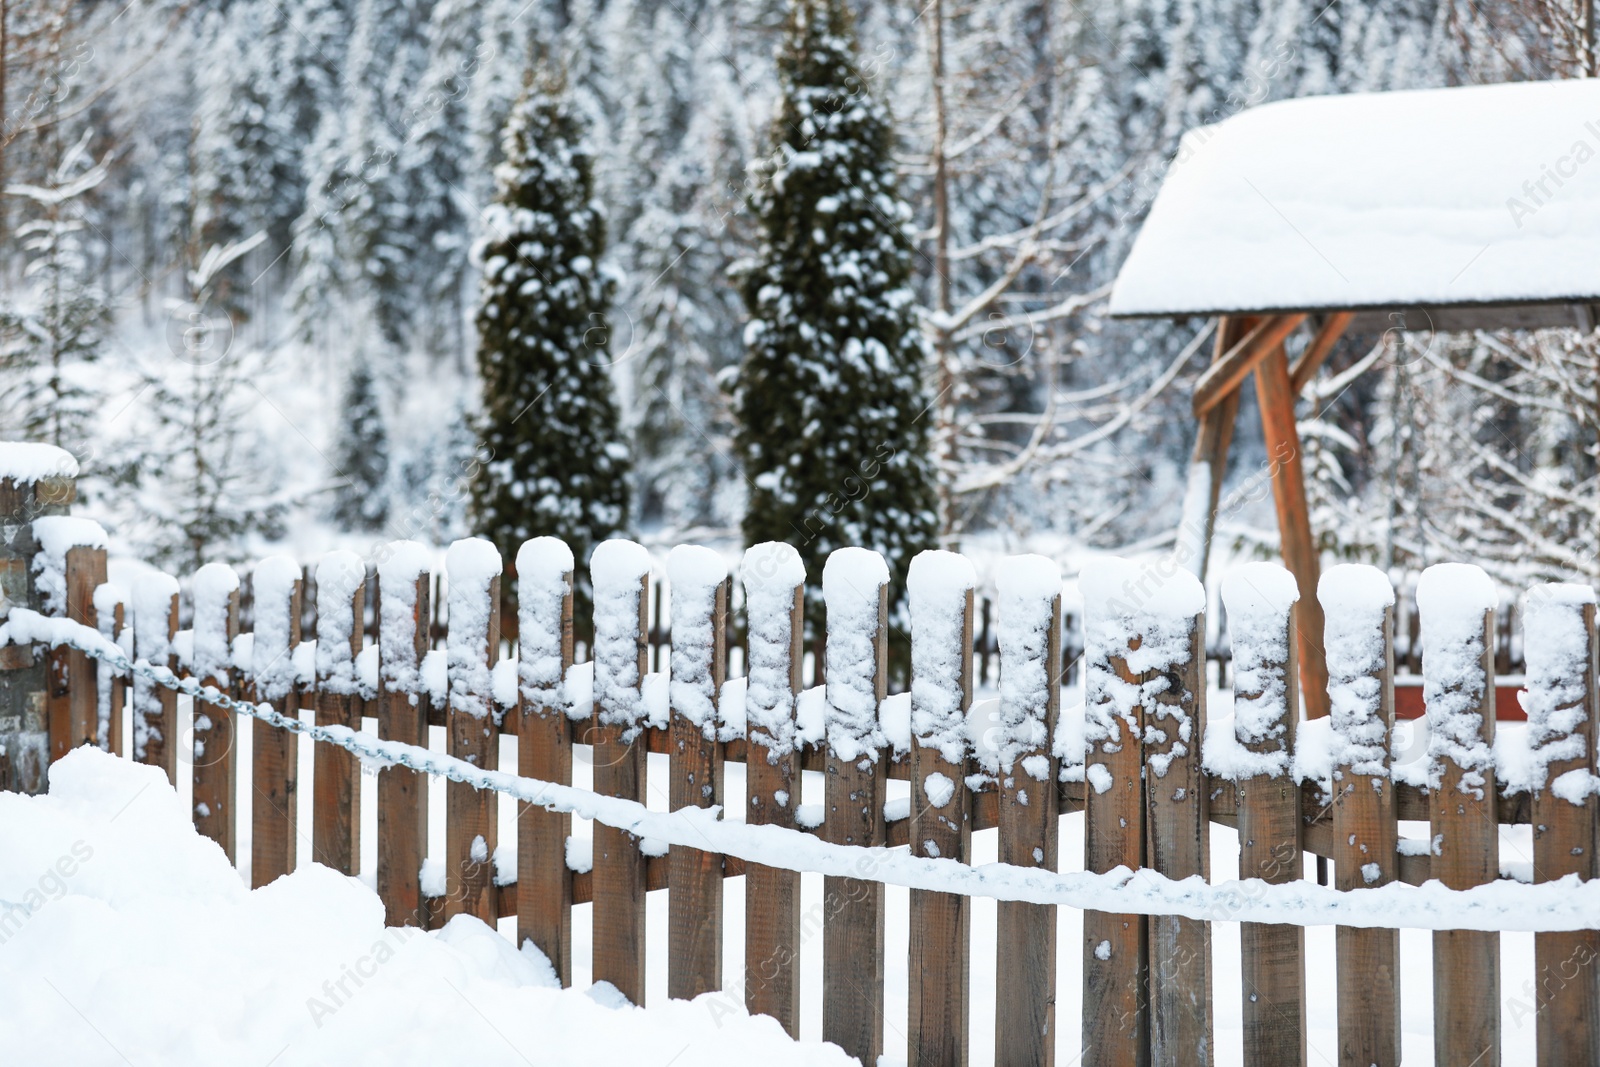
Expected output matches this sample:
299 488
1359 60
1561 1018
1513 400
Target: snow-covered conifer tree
549 427
361 454
830 397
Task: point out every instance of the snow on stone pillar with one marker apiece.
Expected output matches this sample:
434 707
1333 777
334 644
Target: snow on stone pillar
35 480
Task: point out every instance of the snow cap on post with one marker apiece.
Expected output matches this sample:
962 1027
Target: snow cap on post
618 569
213 587
25 462
939 586
339 575
1259 598
273 665
57 535
544 580
1028 587
1155 603
1355 598
694 574
1452 599
851 580
152 603
771 572
470 564
401 564
1556 644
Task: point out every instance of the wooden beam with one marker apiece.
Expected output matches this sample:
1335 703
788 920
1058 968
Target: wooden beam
1222 378
1209 462
1294 524
1310 361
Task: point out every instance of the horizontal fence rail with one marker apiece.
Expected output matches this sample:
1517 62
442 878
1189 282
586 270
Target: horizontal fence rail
1140 758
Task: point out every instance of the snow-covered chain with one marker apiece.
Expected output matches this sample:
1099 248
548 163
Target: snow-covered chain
1567 904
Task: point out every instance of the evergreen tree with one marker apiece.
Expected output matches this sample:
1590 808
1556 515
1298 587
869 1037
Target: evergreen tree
362 455
549 424
829 398
54 325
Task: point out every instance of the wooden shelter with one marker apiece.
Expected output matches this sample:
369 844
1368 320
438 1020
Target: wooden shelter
1435 210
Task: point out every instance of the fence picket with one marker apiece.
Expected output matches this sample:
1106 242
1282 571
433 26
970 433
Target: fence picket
155 708
1115 947
1358 604
275 775
472 567
215 590
774 580
336 774
404 587
1029 638
544 747
111 619
1458 688
1262 617
699 666
1178 845
620 571
855 588
85 567
1559 622
940 586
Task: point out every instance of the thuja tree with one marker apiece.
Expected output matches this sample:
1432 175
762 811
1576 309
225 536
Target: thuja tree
549 426
830 401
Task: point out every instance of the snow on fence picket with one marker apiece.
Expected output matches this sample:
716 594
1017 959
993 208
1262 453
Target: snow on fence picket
1138 774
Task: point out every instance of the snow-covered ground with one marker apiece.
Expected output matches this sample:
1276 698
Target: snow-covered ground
153 945
127 938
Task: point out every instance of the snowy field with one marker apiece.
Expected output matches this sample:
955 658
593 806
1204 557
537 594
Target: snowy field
135 940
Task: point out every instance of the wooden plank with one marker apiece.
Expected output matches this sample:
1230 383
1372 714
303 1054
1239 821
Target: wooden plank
1028 805
941 815
1225 374
86 572
275 764
1208 463
1466 963
1364 828
335 772
699 665
216 777
1310 361
1566 965
472 815
1276 401
404 586
621 659
113 626
544 748
1116 1025
1178 842
774 580
852 932
155 707
1272 956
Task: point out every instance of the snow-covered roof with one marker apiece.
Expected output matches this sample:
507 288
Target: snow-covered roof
1484 197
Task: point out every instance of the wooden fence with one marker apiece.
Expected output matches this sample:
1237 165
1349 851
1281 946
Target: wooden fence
1148 799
